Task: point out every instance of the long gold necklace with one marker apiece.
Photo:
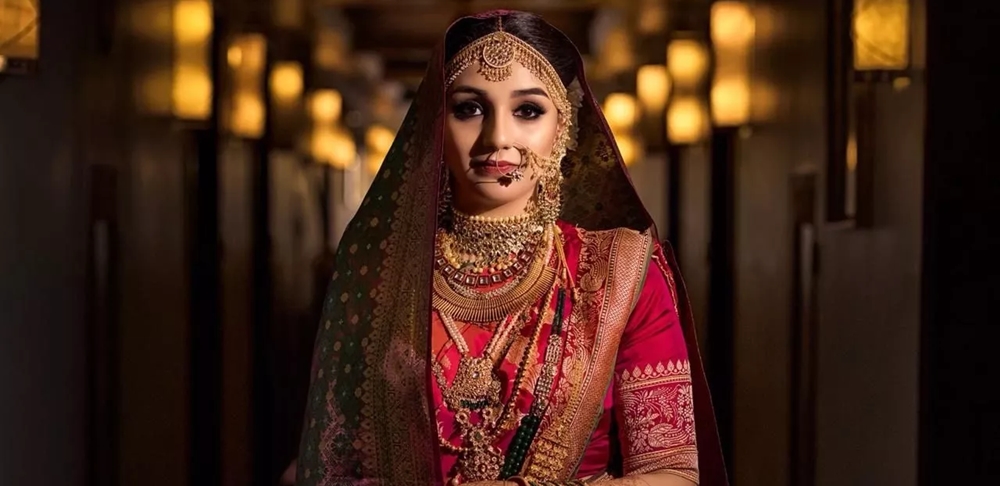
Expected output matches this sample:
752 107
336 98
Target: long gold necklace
475 388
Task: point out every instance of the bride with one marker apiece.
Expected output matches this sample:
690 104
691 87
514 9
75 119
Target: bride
502 311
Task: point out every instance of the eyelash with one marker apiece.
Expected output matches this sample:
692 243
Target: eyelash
467 109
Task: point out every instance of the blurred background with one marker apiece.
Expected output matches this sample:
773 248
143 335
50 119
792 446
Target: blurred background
175 175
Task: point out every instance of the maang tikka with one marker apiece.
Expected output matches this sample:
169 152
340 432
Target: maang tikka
496 53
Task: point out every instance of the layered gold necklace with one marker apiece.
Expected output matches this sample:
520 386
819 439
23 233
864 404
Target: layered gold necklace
474 396
454 292
490 271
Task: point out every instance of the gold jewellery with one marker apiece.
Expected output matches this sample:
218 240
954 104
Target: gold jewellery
486 307
507 271
496 54
480 243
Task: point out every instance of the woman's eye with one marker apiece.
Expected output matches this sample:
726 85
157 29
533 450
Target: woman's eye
467 109
529 111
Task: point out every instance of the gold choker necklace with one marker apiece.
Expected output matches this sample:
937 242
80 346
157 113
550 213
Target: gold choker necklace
480 243
538 278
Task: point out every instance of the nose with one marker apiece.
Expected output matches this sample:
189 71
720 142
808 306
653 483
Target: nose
497 132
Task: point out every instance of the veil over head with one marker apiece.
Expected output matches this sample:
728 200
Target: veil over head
368 418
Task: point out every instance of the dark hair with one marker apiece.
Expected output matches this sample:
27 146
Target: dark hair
531 28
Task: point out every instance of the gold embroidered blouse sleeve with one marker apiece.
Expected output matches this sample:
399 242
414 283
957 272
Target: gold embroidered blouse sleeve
652 386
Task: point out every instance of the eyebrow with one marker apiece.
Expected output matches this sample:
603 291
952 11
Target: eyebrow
530 91
518 93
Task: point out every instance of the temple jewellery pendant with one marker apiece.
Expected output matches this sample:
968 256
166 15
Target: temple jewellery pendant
475 386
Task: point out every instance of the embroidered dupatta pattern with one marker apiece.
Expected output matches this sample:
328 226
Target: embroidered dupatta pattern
368 418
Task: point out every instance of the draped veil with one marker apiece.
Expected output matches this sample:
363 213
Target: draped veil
368 417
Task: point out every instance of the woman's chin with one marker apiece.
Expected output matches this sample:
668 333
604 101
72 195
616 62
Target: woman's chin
494 194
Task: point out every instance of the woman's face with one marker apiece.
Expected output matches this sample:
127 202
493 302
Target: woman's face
486 124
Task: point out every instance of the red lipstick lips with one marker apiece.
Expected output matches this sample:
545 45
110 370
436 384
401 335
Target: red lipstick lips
497 168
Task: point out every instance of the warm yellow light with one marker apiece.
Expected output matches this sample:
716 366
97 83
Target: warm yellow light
687 62
732 25
881 34
19 20
379 138
325 106
686 120
248 115
629 148
247 52
620 111
192 21
192 92
247 111
653 87
286 81
333 145
235 56
373 161
731 100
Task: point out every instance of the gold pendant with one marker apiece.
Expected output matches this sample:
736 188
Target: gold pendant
482 461
475 386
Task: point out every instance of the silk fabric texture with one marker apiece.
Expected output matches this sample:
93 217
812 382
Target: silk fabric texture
369 416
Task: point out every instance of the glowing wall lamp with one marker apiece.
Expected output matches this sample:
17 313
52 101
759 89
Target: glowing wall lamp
286 82
732 25
732 31
333 145
881 35
246 58
378 140
191 93
687 120
687 115
687 62
653 87
325 106
730 98
630 148
620 111
18 36
879 50
330 142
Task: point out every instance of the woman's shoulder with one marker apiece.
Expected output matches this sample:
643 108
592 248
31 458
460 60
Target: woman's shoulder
620 241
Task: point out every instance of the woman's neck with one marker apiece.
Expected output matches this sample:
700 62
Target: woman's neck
505 210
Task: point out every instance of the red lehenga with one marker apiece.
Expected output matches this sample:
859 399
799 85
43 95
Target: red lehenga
628 395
